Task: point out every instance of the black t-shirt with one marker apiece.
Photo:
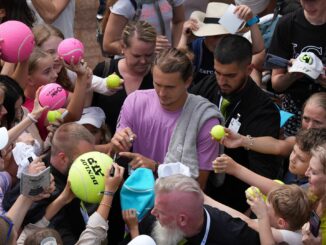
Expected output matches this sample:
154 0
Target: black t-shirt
225 230
111 105
203 60
294 35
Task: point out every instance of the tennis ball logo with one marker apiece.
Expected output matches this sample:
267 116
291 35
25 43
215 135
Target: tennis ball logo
113 81
306 59
217 132
87 176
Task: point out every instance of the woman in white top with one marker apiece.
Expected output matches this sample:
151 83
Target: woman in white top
122 11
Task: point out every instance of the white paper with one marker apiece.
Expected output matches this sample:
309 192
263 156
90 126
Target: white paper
21 153
231 21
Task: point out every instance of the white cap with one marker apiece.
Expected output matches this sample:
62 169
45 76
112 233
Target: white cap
256 6
92 115
168 169
142 240
4 137
309 64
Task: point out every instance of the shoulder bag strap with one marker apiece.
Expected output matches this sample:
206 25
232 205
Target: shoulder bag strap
160 17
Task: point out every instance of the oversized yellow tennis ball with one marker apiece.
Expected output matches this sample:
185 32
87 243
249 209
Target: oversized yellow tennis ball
87 176
52 116
217 132
113 81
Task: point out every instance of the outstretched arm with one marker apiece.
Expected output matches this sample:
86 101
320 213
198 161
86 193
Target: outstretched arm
264 144
226 164
49 10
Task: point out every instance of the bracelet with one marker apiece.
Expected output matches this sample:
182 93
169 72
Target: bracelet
108 193
29 115
105 204
253 21
250 142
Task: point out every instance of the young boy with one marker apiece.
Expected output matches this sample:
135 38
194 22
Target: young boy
287 209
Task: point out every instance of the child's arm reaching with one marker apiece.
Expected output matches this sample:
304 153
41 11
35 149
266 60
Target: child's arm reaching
130 218
259 207
226 164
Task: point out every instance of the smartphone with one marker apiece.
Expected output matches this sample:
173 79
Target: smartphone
273 61
30 159
314 222
124 162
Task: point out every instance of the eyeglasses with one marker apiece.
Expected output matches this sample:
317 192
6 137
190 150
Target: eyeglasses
11 225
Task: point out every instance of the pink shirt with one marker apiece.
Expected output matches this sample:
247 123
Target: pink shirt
154 126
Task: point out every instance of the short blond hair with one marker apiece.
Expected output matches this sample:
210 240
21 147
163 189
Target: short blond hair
67 137
291 203
141 29
174 60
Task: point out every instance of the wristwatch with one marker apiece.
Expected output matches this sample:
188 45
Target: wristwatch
253 21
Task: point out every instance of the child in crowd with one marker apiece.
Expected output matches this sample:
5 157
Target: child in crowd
41 72
287 209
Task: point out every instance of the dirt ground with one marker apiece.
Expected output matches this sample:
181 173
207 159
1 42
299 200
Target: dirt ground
85 30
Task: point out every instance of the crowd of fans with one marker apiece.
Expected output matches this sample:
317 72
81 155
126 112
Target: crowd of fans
183 71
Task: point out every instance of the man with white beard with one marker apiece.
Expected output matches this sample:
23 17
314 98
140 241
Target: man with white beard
182 216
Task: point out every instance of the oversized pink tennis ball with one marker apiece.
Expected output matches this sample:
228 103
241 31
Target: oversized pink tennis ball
53 95
71 47
18 41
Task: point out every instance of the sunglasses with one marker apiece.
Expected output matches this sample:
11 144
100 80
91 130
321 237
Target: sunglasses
11 225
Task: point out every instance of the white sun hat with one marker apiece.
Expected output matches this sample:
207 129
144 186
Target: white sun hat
209 22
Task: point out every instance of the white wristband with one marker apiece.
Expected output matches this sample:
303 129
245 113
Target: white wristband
29 115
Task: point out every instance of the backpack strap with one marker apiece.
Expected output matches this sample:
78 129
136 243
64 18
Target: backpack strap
138 6
197 48
107 66
160 17
278 8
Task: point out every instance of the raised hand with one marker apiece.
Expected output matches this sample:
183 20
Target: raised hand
123 139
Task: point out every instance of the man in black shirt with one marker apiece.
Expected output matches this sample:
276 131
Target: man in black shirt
249 111
181 215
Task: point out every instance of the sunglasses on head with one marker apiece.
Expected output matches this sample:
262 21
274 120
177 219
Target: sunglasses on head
11 225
